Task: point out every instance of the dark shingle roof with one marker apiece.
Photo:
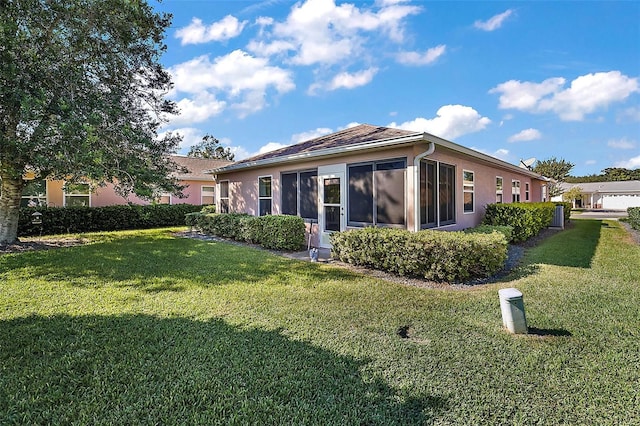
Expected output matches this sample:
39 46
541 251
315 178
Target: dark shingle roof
197 167
351 136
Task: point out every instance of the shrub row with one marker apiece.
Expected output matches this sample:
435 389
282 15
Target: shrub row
63 220
277 232
634 217
434 255
527 219
506 230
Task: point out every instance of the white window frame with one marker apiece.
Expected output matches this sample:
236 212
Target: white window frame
527 192
65 194
500 190
219 196
40 199
270 197
204 193
515 191
468 187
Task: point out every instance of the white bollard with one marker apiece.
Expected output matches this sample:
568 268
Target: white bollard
512 307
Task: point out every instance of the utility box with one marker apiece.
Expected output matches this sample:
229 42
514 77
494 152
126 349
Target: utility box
512 307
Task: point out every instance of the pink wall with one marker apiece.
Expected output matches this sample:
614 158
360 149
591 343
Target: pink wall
107 196
243 185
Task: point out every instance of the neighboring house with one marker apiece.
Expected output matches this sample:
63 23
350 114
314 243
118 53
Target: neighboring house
618 195
374 176
200 189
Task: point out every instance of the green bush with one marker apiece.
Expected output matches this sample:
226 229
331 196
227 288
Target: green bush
527 219
434 255
278 232
634 217
505 230
63 220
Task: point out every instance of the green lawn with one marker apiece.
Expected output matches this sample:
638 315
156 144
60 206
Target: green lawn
145 328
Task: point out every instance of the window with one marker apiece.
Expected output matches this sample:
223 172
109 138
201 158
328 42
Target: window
377 193
300 194
264 195
164 198
207 195
437 194
34 193
468 191
224 197
499 184
77 195
526 191
515 191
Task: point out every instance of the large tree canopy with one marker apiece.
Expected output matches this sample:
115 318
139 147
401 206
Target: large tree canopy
210 147
558 170
82 97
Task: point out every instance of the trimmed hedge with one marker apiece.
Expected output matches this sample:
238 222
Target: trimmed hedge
527 219
277 232
634 217
506 230
434 255
64 220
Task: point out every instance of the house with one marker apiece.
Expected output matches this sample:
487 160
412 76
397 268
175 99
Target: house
200 189
618 195
374 176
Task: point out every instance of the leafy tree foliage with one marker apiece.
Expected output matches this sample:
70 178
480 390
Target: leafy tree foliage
558 170
611 174
82 97
572 194
210 147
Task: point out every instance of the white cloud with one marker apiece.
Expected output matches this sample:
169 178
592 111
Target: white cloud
196 32
271 146
590 162
311 134
526 135
242 78
631 113
631 164
623 143
197 109
190 137
347 80
451 122
494 22
426 58
321 32
501 153
585 95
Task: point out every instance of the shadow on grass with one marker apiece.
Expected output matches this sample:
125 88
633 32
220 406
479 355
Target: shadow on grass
148 370
165 264
548 332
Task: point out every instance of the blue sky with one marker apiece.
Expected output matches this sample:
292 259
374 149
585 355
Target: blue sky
511 79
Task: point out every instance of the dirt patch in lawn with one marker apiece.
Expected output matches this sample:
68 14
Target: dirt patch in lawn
32 244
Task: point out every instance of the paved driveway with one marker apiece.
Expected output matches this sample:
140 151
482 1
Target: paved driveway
599 214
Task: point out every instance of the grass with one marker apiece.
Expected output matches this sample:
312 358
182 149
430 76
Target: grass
144 328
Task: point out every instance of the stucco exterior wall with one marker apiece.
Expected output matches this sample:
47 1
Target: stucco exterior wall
243 184
107 196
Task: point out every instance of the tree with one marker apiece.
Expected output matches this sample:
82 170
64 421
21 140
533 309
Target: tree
210 147
82 97
558 170
572 195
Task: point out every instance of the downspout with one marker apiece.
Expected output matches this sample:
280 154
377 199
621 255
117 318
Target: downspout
416 184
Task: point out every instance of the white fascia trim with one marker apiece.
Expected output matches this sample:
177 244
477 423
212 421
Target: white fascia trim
409 139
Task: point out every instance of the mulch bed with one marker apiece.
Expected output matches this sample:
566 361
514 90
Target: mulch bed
42 244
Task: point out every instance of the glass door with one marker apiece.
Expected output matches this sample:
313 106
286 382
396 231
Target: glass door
331 197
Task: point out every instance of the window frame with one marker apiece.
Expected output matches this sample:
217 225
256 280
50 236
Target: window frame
527 191
468 187
515 191
265 197
223 198
375 201
438 185
499 190
204 193
40 199
298 192
66 194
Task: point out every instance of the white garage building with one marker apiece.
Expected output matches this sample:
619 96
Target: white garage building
605 195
